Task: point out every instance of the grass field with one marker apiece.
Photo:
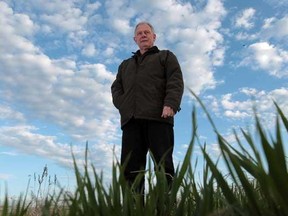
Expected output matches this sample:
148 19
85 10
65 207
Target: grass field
257 184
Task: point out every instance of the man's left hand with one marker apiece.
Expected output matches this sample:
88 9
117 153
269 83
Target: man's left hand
167 112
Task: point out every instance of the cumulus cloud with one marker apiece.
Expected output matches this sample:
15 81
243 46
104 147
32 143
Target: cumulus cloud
245 18
277 3
230 105
28 140
244 36
89 50
120 13
69 20
7 113
267 50
272 28
74 97
92 7
275 28
267 57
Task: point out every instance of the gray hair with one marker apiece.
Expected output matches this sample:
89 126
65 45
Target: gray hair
144 23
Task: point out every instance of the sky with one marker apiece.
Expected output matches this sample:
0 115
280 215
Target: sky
58 60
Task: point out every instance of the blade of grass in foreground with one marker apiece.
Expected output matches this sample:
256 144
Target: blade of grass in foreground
5 206
277 171
234 163
249 190
230 197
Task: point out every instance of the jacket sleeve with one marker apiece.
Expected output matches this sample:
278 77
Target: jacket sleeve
174 84
117 87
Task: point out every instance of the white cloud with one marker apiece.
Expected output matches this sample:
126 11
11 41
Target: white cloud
122 26
236 114
26 139
109 52
93 7
277 3
12 38
245 18
272 28
267 57
75 97
21 24
89 50
280 96
275 28
120 13
70 20
246 36
268 22
217 56
7 113
196 32
215 150
229 106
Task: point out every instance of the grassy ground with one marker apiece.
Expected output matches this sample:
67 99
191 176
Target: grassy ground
256 184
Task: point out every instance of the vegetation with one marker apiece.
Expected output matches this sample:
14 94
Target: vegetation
257 183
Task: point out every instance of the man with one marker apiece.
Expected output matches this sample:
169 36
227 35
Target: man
147 91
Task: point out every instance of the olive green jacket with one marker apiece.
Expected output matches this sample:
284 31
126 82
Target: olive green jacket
146 83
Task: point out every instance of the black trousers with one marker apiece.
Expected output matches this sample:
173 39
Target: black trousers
138 137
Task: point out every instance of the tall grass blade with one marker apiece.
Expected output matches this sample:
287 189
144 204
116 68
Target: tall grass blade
230 197
277 175
252 197
283 118
205 110
5 207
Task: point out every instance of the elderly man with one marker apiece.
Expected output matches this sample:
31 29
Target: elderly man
147 92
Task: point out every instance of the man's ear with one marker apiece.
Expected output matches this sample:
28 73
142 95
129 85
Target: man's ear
134 38
154 37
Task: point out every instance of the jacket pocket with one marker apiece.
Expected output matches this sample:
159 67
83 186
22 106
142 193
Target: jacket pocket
118 101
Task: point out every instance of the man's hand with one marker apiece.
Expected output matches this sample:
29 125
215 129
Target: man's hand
167 112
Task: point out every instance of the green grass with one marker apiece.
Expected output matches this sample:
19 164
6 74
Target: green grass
256 183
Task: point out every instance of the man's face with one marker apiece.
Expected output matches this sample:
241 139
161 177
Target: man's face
144 37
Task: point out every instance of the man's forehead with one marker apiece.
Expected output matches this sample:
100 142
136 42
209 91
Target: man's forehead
143 27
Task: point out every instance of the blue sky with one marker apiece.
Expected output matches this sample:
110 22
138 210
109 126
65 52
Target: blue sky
59 58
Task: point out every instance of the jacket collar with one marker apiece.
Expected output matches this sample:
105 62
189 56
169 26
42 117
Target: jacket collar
153 49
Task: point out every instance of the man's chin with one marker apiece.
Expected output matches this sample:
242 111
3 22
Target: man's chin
146 46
